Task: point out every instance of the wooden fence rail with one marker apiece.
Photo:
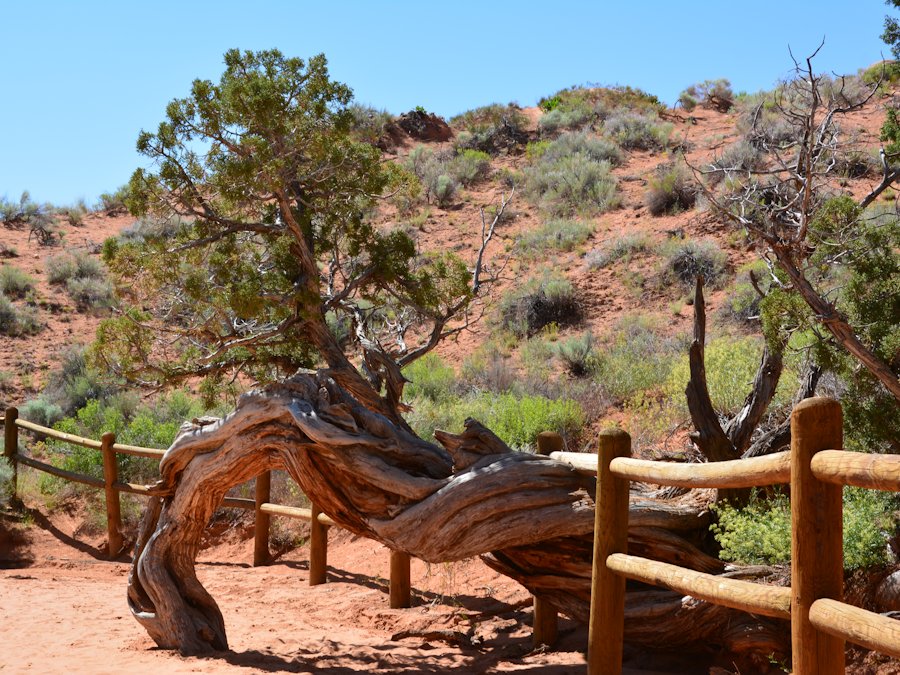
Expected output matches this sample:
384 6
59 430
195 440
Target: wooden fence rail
400 590
820 622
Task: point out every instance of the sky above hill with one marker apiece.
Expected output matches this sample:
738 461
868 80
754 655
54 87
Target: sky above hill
81 79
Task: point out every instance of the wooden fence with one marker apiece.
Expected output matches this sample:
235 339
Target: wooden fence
816 471
400 590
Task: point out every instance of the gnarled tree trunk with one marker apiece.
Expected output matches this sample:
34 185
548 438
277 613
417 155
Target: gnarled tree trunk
531 515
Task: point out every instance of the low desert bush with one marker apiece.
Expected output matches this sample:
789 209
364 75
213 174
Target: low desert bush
469 166
18 321
716 94
670 190
737 160
637 357
577 354
637 131
368 122
560 235
573 185
429 377
621 248
538 303
84 278
687 259
581 143
14 283
113 202
760 532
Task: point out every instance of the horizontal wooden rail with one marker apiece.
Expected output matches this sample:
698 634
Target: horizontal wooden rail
860 626
61 473
774 601
59 435
877 472
295 512
739 473
138 451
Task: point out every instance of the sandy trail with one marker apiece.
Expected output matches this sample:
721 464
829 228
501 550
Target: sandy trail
63 610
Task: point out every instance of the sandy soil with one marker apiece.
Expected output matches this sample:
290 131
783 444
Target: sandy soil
63 609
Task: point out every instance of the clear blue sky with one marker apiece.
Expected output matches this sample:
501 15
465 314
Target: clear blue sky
80 79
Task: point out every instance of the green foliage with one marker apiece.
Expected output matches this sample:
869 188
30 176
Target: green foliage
38 218
637 131
637 357
489 117
737 160
430 378
580 143
577 353
601 99
517 420
670 190
84 278
368 122
731 364
891 34
561 235
41 411
14 283
537 303
890 132
621 248
470 166
572 184
760 533
18 321
687 259
115 201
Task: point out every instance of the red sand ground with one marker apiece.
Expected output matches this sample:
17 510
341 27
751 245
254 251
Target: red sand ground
63 609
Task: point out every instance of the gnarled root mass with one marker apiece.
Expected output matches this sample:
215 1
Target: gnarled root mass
473 496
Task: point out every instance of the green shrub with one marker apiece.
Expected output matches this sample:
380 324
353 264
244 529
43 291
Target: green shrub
635 131
715 94
760 533
573 185
41 411
18 321
368 123
488 116
582 143
90 293
517 420
65 266
561 235
434 173
538 303
638 358
687 259
566 118
429 377
75 383
671 190
621 248
577 353
14 283
469 166
113 202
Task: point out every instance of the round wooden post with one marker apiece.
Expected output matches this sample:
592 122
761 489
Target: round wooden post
607 622
113 507
263 495
318 549
816 545
545 628
400 582
11 449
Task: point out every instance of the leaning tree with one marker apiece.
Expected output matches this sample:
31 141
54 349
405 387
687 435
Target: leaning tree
262 257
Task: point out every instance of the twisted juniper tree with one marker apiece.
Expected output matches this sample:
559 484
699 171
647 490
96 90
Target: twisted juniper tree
264 259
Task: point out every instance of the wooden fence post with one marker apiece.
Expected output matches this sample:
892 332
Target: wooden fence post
318 549
400 590
113 507
607 622
816 545
11 449
263 495
545 629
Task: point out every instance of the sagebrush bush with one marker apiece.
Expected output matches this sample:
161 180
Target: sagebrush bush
560 235
621 248
635 131
577 353
91 293
580 143
113 202
440 176
737 160
560 118
687 259
760 532
14 283
469 166
489 117
573 185
368 122
538 303
41 411
78 265
670 190
18 321
715 94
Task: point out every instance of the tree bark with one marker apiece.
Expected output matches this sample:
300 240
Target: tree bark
533 514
